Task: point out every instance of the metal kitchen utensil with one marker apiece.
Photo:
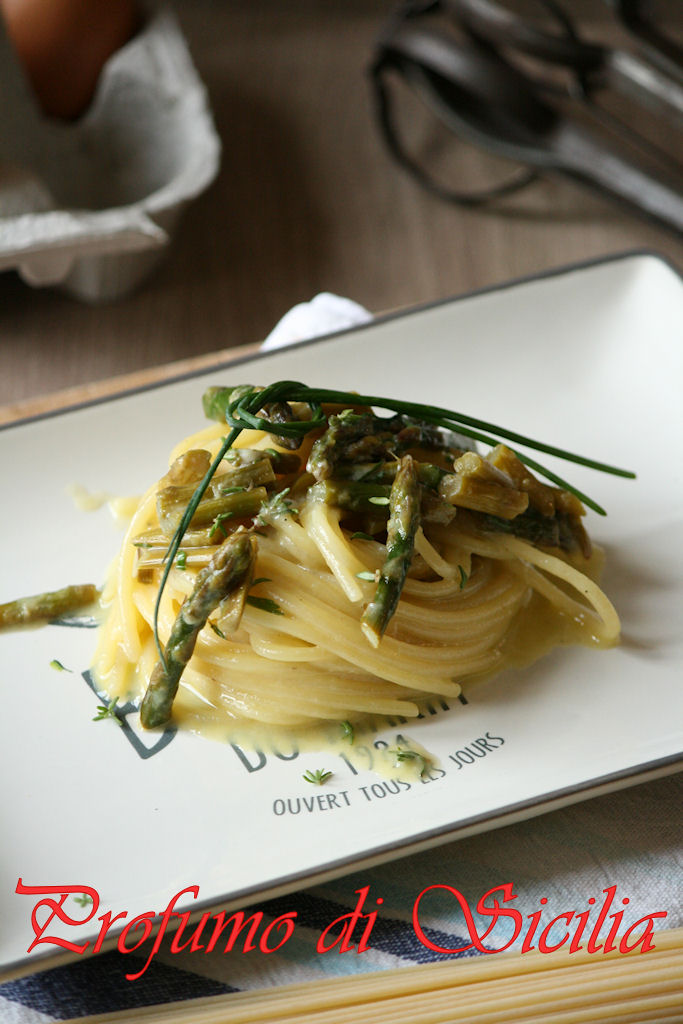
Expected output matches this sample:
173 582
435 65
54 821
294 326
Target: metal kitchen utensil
486 100
595 67
661 48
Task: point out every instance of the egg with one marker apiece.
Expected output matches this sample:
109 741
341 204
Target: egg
64 44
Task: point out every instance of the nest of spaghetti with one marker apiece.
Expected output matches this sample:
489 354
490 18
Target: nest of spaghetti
357 569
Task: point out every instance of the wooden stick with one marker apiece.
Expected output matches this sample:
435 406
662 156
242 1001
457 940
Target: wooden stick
83 393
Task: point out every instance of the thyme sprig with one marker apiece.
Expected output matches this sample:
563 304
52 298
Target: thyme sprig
108 710
317 777
240 409
277 505
348 731
401 754
266 604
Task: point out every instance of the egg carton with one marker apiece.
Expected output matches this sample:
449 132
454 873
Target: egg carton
90 206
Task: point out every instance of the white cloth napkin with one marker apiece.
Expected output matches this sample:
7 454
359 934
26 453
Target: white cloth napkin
324 314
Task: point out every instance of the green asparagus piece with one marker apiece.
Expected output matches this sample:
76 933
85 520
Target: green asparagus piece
350 495
239 505
435 510
404 506
225 572
280 412
259 473
499 499
43 607
229 614
283 463
359 437
242 456
154 539
557 531
216 400
188 468
343 431
371 447
418 434
385 472
195 557
488 490
276 505
373 499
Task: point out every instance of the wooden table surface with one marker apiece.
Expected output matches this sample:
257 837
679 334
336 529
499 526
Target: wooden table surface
306 200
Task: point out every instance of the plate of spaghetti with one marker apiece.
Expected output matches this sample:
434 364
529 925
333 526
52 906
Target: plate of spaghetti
365 604
363 565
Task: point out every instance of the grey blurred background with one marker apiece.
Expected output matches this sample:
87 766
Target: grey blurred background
306 200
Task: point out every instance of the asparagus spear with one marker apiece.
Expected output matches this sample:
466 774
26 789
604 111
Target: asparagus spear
239 505
358 437
416 433
342 432
385 472
351 495
153 539
283 463
374 498
280 412
545 499
404 506
557 531
188 468
187 558
478 485
43 607
225 572
216 400
256 474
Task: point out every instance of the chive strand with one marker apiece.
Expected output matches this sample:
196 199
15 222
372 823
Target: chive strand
454 420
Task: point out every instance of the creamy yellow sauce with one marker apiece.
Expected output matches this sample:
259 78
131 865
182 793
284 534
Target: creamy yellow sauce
122 509
85 500
537 629
540 627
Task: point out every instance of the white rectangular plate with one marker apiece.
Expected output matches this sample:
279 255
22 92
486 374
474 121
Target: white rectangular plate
590 359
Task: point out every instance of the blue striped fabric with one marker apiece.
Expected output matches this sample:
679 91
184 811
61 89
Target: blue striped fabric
630 840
